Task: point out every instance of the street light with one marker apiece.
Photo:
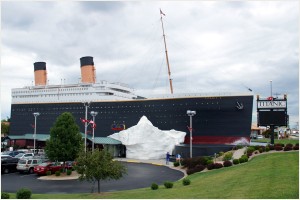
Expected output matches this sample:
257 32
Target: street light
271 89
34 135
191 114
93 113
86 104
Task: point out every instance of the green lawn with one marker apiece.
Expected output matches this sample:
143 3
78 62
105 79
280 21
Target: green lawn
268 176
283 141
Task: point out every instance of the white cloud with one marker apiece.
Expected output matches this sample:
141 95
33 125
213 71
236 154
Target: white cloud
212 45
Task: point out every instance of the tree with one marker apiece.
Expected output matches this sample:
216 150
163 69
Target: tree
98 165
5 127
65 141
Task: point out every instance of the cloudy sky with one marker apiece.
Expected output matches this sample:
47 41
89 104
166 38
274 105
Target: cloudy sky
213 46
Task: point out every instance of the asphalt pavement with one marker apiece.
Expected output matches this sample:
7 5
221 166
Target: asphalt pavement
139 175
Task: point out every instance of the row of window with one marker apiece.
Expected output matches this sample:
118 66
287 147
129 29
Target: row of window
115 107
70 94
48 90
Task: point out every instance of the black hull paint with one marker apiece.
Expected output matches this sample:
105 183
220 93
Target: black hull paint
217 117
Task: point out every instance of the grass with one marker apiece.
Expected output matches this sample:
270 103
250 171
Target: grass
268 176
283 141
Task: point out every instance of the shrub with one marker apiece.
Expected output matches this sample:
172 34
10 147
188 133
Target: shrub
243 159
168 184
267 149
289 145
192 162
209 162
186 181
250 149
176 164
278 148
271 147
227 156
23 193
236 161
287 148
218 165
190 171
61 170
69 172
221 153
48 173
4 195
239 146
227 163
198 168
296 147
57 173
154 186
210 166
279 144
256 147
249 154
262 149
297 144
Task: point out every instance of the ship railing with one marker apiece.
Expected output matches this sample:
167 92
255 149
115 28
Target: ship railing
217 94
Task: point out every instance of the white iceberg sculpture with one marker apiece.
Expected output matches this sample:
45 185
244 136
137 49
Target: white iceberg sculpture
145 141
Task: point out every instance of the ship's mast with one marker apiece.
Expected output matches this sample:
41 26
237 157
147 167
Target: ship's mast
169 71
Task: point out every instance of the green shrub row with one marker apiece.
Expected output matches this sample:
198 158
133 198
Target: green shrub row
169 184
193 165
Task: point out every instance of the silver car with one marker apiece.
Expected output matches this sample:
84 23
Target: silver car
27 165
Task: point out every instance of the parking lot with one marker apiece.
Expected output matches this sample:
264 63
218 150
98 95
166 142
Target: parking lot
139 175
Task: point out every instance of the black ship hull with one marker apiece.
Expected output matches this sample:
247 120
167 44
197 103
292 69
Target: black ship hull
219 120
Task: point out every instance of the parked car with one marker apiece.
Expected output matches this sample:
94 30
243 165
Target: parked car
43 168
24 150
12 153
38 151
24 155
27 165
8 164
5 156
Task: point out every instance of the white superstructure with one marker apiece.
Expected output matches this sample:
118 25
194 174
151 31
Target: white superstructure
82 92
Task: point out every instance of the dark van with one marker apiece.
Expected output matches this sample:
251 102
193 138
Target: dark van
9 165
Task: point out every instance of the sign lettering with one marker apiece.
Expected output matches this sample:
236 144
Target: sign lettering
271 104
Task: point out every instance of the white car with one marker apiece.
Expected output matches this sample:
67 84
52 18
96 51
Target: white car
24 155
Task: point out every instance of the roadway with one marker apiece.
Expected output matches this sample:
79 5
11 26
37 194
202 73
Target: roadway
139 175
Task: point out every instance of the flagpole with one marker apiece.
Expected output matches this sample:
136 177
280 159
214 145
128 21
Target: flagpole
169 71
85 126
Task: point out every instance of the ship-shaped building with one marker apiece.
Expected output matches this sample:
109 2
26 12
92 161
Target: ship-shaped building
221 118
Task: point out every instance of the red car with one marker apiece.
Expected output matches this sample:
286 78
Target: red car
43 168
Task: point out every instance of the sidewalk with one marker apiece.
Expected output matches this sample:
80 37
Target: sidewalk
238 153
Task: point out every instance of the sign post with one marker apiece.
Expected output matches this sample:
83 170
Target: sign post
272 112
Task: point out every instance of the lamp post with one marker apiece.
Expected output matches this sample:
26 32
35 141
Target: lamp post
191 114
86 104
34 135
271 89
93 113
